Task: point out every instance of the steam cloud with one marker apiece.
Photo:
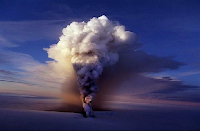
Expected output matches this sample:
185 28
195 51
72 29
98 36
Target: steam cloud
87 47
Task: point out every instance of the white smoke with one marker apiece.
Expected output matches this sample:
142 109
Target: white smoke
87 47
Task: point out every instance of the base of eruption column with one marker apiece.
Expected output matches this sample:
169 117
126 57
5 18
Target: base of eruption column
87 106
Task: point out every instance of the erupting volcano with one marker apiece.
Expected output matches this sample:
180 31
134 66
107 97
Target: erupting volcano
91 46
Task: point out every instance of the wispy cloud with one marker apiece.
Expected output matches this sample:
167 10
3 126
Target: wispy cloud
144 87
14 33
29 71
191 72
17 82
5 72
6 43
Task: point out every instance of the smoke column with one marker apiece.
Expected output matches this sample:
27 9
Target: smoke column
89 47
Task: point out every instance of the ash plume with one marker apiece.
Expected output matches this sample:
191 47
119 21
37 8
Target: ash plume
88 47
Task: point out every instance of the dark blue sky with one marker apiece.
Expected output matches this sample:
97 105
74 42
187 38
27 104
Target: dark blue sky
165 28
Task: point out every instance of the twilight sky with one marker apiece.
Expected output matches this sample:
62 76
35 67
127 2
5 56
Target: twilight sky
166 66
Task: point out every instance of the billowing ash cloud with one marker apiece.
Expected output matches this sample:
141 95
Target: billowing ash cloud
89 47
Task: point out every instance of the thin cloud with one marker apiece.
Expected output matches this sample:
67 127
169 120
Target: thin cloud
30 70
189 73
30 84
6 72
14 33
6 43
